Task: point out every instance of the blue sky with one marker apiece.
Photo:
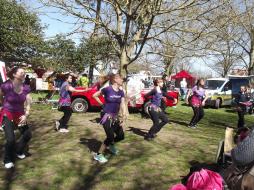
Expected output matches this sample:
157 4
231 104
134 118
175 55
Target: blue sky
55 22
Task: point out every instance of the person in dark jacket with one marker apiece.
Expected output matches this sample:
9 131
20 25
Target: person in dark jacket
241 99
164 89
154 109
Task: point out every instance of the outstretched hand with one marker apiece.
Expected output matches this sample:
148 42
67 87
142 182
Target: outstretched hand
22 120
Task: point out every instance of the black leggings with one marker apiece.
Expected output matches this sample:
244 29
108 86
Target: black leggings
66 117
241 118
114 132
198 115
11 147
156 117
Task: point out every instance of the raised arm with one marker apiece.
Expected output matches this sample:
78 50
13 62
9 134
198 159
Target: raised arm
71 89
152 92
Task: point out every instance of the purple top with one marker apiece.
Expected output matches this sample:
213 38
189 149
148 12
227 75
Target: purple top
65 96
14 102
200 93
156 99
157 96
112 99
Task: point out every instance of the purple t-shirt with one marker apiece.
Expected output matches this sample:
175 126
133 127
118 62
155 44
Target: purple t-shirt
14 102
112 99
65 97
200 93
156 99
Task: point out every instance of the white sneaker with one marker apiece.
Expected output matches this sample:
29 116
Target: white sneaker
62 130
57 125
9 165
21 156
1 129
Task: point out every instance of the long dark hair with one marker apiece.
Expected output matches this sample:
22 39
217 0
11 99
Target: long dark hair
198 84
66 76
13 71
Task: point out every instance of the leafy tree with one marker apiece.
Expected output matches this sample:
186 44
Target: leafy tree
94 50
62 54
21 34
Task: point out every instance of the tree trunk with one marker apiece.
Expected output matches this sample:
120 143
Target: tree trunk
251 65
123 63
90 73
124 113
94 36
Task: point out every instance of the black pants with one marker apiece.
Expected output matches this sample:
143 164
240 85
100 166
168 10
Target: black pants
157 125
11 147
163 105
66 117
198 115
113 131
240 118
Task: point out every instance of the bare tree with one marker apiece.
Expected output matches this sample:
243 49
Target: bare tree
243 17
130 24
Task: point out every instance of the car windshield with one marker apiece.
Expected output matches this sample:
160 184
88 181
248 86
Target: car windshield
214 84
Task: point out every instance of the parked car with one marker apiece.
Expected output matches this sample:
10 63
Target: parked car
82 101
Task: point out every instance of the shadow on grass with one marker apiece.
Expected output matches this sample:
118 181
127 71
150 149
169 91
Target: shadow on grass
92 144
138 131
142 180
179 122
225 125
10 175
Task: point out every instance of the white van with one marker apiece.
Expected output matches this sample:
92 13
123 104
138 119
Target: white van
219 92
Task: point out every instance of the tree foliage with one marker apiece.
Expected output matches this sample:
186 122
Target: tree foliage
21 34
95 50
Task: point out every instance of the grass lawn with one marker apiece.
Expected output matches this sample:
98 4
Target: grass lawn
64 161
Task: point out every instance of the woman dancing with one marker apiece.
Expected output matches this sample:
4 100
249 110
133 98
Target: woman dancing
155 110
16 100
197 101
65 103
114 97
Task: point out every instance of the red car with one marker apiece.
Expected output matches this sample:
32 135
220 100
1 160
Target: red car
82 101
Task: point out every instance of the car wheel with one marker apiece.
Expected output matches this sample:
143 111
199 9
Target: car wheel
79 105
217 103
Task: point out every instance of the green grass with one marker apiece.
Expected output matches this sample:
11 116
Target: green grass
64 161
42 94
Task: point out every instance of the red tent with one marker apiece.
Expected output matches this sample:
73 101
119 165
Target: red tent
183 74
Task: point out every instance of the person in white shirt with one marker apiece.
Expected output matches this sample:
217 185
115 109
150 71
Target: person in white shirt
183 88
